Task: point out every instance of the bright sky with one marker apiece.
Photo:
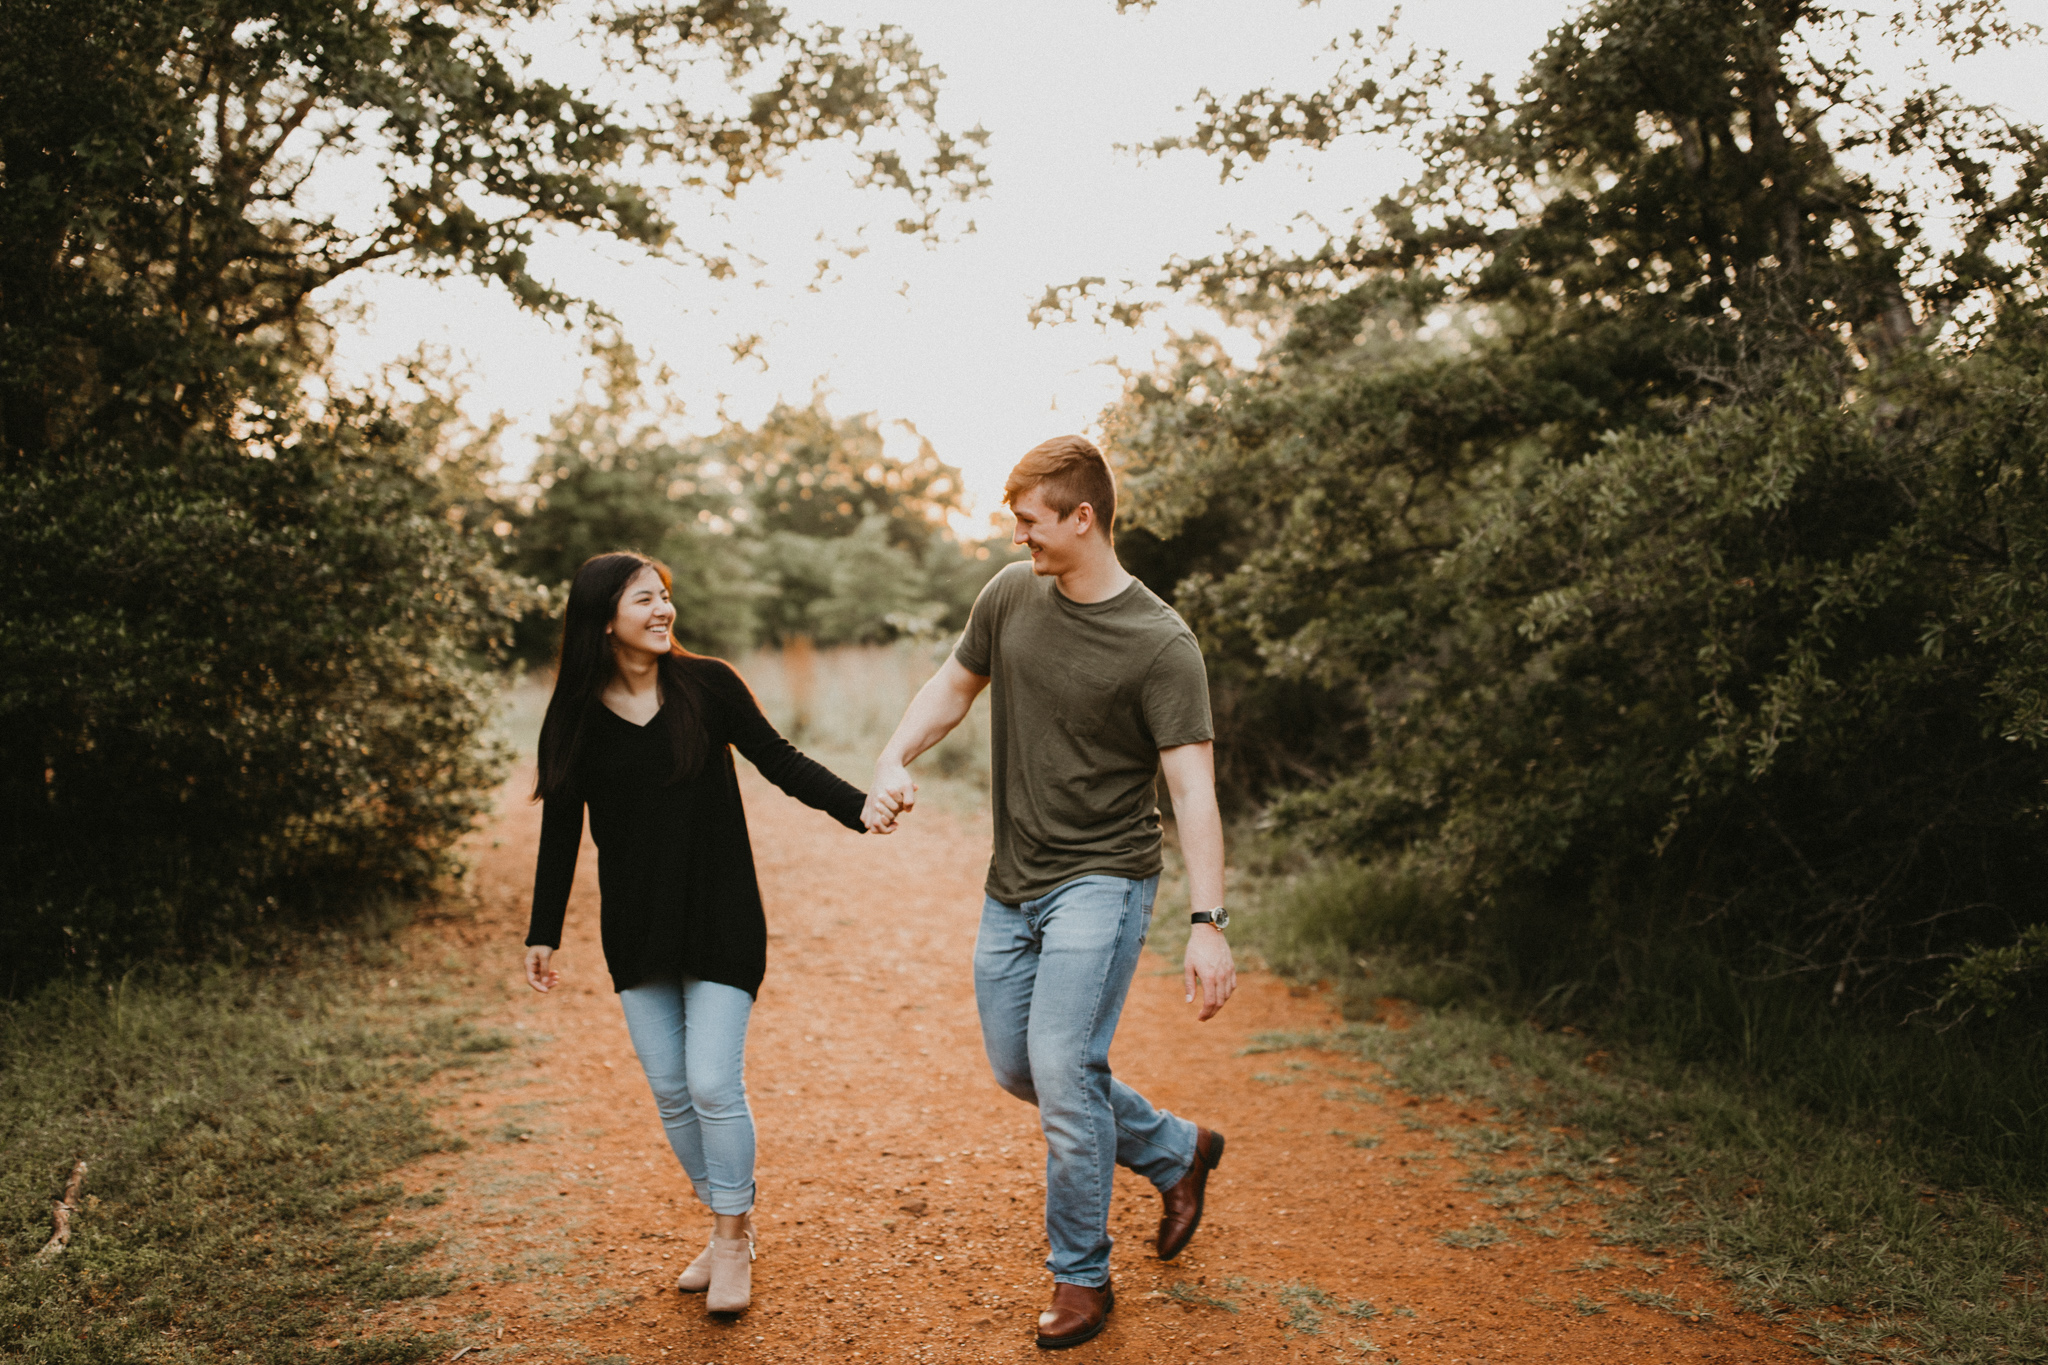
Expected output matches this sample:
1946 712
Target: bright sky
939 335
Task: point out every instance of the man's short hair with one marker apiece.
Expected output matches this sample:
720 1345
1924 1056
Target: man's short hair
1067 471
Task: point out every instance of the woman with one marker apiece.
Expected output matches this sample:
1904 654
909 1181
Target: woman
640 731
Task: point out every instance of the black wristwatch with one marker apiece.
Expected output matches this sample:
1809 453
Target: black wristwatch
1218 917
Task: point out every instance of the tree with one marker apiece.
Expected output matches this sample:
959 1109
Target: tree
804 472
1614 475
615 472
242 628
803 526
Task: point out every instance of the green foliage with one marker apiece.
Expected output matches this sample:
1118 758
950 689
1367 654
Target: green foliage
1989 977
1646 504
237 1126
159 238
802 527
612 474
238 690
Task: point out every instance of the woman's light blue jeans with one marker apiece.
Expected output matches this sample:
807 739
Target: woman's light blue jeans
692 1039
1050 977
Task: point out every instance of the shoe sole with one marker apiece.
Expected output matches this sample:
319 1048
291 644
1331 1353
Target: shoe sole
1215 1160
1046 1343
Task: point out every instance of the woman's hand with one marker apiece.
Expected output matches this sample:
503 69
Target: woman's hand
540 973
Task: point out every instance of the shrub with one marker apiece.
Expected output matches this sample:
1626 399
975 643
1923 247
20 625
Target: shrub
235 684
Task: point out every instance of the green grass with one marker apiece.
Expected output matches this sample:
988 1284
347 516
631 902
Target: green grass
1180 1291
1881 1188
240 1127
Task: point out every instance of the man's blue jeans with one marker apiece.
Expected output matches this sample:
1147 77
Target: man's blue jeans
692 1039
1050 977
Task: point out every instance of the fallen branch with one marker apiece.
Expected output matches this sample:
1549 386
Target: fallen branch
61 1238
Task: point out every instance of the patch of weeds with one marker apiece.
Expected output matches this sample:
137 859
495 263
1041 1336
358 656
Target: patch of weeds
1268 1078
1602 1262
1483 1140
1586 1307
1417 1125
1478 1235
237 1125
1357 1139
427 1200
1699 1312
1180 1291
1302 1302
1361 1309
1353 1094
1366 1344
458 1035
512 1132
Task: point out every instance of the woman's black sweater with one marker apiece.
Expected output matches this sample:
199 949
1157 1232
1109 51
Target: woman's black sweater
675 871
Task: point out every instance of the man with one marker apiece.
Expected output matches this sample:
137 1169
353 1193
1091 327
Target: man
1098 687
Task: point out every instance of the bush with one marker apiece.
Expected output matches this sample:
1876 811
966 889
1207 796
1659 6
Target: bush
239 688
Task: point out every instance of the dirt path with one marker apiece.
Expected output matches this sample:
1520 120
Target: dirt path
900 1191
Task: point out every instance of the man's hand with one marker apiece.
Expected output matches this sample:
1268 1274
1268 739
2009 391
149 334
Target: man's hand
1208 968
540 972
893 794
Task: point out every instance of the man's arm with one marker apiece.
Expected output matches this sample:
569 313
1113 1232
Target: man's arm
1190 771
938 706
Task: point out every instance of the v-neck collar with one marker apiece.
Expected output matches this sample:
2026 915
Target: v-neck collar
637 725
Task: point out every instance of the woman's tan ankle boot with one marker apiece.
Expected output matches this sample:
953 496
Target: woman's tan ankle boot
732 1274
696 1276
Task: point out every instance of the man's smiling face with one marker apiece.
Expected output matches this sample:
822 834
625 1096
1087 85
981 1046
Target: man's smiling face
1055 542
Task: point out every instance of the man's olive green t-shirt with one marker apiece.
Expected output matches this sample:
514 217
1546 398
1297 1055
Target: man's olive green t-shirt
1083 698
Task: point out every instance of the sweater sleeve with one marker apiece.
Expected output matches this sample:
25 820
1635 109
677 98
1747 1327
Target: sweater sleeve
777 759
561 836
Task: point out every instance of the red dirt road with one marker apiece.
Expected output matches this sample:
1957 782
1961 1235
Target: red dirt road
901 1191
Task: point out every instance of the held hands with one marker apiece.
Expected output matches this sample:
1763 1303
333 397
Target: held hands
540 974
1208 969
893 794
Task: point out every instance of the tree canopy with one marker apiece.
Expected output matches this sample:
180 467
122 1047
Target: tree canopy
804 525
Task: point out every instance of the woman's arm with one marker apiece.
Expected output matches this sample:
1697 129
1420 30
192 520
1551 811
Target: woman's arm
777 759
554 871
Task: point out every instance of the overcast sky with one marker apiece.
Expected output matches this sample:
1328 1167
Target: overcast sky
938 335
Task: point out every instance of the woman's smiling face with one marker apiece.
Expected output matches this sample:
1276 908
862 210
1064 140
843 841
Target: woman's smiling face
645 617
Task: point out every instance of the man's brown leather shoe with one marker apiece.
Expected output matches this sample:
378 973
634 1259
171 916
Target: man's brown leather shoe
1183 1212
1076 1315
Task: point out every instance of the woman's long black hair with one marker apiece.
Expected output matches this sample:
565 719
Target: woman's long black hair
585 667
